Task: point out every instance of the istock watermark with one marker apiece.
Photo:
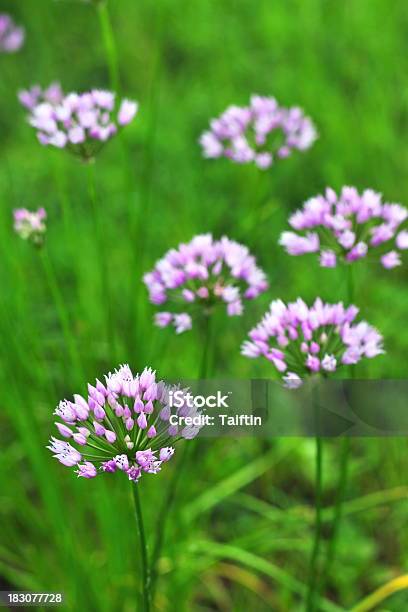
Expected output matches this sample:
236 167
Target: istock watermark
191 410
264 408
180 398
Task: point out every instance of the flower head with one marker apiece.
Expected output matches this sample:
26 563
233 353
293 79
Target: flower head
201 274
11 35
81 123
258 132
300 340
347 227
125 424
30 225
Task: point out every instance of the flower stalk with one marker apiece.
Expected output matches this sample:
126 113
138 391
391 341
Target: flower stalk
110 45
101 250
313 589
143 550
343 468
172 489
61 312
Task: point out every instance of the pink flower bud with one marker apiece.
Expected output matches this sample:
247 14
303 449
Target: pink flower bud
110 436
151 432
141 421
138 405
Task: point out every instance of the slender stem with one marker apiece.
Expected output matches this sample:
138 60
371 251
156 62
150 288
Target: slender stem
143 549
344 462
206 364
350 299
249 226
338 508
350 284
110 45
61 311
313 570
101 250
140 227
165 508
60 180
172 488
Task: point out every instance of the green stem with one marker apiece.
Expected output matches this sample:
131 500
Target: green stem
143 550
313 590
344 462
338 507
101 250
350 284
172 488
164 511
206 364
140 226
249 225
62 313
60 180
110 46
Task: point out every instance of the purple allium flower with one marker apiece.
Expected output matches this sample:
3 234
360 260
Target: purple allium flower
300 340
201 274
30 225
81 123
258 132
346 227
124 425
11 35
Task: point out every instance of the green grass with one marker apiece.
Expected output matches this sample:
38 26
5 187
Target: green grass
241 532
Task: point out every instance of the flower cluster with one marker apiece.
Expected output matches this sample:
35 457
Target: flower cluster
345 227
123 425
81 123
30 225
11 35
301 340
258 132
201 274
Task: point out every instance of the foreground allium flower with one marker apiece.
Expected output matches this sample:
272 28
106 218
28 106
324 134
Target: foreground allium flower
81 123
11 35
258 132
301 340
123 425
201 274
30 225
347 227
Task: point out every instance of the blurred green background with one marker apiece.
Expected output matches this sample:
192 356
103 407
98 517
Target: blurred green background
241 531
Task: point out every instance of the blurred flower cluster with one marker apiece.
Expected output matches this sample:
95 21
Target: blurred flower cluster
30 225
347 227
123 425
201 274
301 340
80 123
258 132
11 35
